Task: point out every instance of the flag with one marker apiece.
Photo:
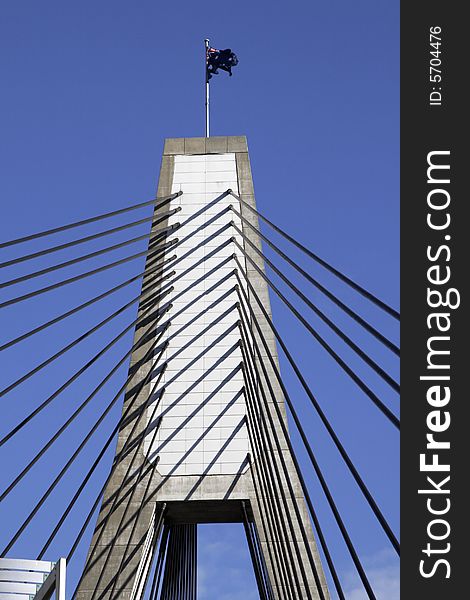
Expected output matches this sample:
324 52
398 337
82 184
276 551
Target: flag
220 59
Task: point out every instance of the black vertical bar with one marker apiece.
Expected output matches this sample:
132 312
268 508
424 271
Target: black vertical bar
434 271
283 513
267 449
159 565
176 570
262 424
183 562
135 517
174 563
286 438
273 509
262 561
319 474
254 558
187 560
169 565
194 575
146 572
279 564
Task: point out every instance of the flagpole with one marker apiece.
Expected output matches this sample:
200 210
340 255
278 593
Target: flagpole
206 45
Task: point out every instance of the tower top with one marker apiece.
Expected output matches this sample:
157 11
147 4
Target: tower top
202 145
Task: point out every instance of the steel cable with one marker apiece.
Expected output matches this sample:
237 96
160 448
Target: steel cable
367 326
262 590
77 374
87 477
113 581
135 394
74 261
75 342
346 339
62 472
388 309
161 250
344 454
318 472
76 309
88 238
264 449
70 420
159 565
315 520
119 457
158 202
357 380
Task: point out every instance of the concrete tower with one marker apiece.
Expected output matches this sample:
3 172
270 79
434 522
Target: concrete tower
196 463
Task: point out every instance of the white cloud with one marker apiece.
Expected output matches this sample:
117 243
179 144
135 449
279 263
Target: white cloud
225 571
384 576
224 567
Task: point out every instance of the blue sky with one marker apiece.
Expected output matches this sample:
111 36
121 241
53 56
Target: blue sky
89 92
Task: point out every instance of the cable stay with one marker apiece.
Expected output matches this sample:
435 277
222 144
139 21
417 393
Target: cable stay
346 339
72 311
274 523
259 555
157 202
75 261
80 259
88 238
75 414
385 307
321 479
73 378
367 326
121 526
178 551
135 517
121 422
100 526
92 510
369 393
344 454
264 448
162 552
161 250
158 250
74 456
75 342
168 570
270 521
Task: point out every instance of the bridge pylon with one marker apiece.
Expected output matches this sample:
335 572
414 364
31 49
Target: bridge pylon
204 440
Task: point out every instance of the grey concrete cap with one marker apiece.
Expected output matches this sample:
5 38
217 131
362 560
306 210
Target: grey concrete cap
218 144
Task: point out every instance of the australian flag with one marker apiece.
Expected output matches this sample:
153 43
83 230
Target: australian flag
220 59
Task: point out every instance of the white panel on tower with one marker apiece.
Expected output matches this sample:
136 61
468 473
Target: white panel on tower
203 428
